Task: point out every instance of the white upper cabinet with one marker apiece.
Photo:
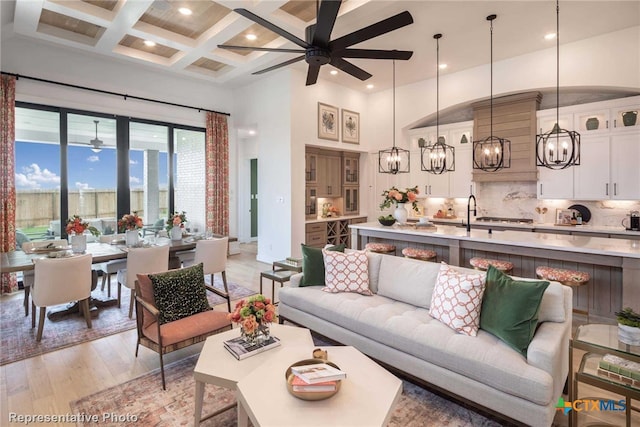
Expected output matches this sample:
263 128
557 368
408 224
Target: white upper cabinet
609 154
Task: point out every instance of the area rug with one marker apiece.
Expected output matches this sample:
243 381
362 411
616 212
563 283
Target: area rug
142 402
18 339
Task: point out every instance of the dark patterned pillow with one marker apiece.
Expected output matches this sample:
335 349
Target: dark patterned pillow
180 293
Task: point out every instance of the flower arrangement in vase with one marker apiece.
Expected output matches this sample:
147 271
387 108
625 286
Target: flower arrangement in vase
254 315
75 228
129 222
175 225
394 195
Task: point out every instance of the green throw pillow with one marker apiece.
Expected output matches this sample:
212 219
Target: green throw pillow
180 293
313 265
510 308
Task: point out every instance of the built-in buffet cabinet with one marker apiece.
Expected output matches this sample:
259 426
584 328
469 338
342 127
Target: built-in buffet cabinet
332 175
331 231
449 184
609 154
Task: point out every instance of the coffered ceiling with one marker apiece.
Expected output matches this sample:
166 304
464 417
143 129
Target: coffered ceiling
187 44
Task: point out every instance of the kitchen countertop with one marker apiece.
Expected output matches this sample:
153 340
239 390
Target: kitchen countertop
587 228
582 244
334 218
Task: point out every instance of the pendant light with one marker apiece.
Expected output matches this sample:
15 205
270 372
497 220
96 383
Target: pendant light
439 156
96 143
394 160
558 148
492 153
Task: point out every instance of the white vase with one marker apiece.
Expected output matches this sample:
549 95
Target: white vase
400 214
629 334
176 233
78 243
131 237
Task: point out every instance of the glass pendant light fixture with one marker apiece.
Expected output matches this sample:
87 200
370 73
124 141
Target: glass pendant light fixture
438 157
492 153
558 148
393 160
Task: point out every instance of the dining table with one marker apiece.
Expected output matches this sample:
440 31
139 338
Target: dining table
18 260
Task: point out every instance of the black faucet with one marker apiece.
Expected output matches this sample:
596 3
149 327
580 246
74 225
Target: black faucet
471 197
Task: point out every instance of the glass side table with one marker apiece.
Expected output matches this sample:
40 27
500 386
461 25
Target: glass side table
598 340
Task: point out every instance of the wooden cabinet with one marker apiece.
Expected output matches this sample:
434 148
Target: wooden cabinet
351 169
351 200
311 168
329 176
311 202
332 232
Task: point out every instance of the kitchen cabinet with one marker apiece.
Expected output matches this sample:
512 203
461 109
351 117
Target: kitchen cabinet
351 169
457 183
311 202
311 168
351 200
625 166
555 183
316 234
591 178
329 176
332 232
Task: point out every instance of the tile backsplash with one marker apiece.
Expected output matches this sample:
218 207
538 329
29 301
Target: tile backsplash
519 200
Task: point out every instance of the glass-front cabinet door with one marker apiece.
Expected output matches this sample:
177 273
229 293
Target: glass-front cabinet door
351 200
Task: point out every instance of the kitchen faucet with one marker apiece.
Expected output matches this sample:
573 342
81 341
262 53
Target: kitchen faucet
471 197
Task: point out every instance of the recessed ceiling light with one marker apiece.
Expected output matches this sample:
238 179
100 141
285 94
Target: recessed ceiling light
251 37
369 86
333 72
550 36
149 43
185 11
252 132
443 66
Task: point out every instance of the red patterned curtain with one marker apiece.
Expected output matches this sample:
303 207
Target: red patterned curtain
217 173
8 281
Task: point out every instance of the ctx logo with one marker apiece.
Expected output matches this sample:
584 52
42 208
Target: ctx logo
588 405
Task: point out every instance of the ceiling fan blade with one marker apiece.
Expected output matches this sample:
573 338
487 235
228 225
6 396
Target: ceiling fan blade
374 54
374 30
282 64
349 68
326 20
260 49
312 74
287 35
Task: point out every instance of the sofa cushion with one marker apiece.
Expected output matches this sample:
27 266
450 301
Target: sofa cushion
412 330
456 300
510 308
346 272
407 280
313 264
180 293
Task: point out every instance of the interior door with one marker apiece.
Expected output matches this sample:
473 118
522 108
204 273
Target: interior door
254 197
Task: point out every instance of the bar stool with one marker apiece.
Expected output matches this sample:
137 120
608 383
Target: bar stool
380 248
484 263
421 254
572 278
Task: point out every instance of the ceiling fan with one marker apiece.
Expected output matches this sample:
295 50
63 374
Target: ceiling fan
96 143
319 49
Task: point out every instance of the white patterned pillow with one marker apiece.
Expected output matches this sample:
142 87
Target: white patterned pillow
457 299
346 272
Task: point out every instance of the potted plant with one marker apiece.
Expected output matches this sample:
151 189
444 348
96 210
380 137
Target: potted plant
628 326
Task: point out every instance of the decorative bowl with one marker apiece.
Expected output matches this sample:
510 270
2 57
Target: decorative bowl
387 222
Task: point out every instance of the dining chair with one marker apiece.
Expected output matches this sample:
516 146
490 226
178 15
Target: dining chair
110 267
58 281
28 275
213 256
141 261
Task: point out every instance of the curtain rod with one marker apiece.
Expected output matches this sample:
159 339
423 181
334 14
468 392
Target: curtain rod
106 92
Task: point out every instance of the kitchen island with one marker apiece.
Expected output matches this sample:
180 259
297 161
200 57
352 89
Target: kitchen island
614 264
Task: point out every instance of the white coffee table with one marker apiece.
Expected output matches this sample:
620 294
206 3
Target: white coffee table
366 397
217 366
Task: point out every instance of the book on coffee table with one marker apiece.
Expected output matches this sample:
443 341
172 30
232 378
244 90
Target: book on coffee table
317 373
299 385
242 349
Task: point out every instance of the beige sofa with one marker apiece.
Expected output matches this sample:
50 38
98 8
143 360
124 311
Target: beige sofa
394 327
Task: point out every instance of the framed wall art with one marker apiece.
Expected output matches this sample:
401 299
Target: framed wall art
563 216
350 127
327 122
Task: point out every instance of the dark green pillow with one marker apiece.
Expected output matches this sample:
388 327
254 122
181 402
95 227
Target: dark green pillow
313 265
180 293
510 308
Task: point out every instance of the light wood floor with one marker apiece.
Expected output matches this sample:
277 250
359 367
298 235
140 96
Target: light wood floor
46 384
